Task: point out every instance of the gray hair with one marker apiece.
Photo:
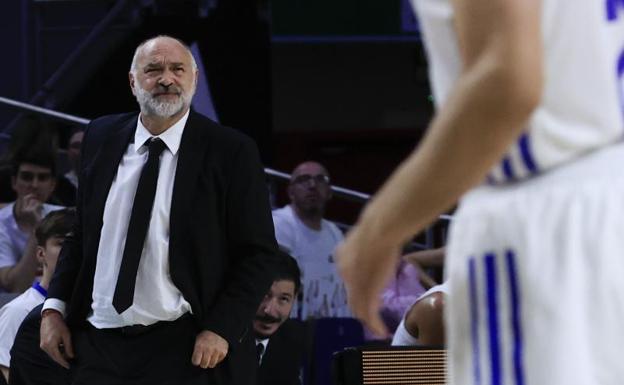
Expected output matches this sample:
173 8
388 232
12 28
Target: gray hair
133 65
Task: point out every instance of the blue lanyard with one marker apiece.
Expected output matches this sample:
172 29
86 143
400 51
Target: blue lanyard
40 289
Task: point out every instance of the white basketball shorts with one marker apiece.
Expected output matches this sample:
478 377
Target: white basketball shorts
536 273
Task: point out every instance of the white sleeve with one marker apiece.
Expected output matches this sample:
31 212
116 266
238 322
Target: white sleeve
55 304
402 336
11 318
284 232
7 256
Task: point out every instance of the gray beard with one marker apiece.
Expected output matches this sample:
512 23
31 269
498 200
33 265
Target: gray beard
164 109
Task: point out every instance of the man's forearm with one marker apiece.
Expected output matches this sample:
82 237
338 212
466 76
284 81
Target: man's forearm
20 276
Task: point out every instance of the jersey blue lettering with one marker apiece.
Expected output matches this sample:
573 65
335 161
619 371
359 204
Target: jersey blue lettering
612 8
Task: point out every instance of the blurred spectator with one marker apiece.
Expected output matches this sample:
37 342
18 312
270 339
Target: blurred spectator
301 231
423 323
401 293
33 182
32 135
410 282
73 156
34 138
49 235
280 340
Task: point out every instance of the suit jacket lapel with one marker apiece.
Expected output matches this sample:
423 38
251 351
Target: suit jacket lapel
105 166
190 163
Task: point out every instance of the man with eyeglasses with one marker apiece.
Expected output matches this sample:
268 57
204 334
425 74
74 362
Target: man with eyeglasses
301 231
33 181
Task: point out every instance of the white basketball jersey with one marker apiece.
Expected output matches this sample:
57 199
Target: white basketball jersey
581 107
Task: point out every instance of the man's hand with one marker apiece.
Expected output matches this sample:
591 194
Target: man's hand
366 268
55 338
210 349
29 211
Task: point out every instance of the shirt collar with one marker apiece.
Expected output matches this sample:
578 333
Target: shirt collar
264 341
172 136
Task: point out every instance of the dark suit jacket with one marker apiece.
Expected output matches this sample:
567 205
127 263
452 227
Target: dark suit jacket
284 357
29 364
221 242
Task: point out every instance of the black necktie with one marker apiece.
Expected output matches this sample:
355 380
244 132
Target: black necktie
259 351
137 227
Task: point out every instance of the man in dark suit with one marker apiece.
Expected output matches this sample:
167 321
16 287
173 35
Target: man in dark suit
279 339
173 246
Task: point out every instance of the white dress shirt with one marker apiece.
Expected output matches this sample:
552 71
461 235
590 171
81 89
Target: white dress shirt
156 298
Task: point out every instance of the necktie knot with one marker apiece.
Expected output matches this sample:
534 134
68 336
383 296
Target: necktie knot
155 147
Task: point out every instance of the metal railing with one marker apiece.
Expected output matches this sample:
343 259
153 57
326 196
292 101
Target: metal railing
342 192
59 116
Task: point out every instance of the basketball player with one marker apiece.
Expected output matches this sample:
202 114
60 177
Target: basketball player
529 98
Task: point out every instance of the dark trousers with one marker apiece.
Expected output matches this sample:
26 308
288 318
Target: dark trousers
159 355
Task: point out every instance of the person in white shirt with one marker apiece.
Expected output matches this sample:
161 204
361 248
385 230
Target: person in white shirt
301 230
50 235
33 181
529 131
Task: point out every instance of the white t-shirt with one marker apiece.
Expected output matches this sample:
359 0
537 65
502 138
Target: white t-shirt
581 105
11 316
324 293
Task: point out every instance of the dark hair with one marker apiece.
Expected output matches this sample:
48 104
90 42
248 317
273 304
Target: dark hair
287 269
56 224
42 157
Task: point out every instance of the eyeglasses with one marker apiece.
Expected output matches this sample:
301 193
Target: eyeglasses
306 178
29 176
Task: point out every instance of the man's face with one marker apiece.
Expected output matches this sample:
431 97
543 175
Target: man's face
275 308
48 254
35 180
163 80
309 188
73 150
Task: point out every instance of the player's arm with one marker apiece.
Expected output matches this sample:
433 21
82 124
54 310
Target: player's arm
491 102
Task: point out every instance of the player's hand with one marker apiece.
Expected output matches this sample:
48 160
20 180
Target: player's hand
55 338
366 268
30 210
210 349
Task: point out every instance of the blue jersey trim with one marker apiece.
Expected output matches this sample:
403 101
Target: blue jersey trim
40 289
474 320
507 168
492 306
526 153
515 318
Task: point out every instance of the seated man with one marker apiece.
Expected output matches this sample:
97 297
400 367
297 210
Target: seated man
33 181
49 234
423 323
301 230
280 340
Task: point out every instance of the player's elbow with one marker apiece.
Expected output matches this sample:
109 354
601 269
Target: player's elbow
523 86
518 72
